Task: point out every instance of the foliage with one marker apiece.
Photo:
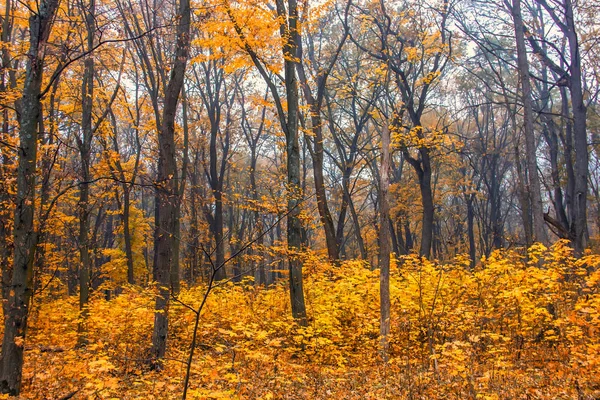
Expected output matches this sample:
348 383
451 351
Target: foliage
517 326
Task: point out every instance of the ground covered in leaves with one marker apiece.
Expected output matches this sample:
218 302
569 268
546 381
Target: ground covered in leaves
515 327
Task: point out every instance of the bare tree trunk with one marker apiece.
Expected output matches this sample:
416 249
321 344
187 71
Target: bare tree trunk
471 229
428 206
127 233
316 153
258 222
25 236
84 144
423 169
180 189
7 80
537 208
384 242
294 225
579 224
167 194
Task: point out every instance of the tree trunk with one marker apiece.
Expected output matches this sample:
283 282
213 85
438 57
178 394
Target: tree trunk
384 243
85 143
579 224
166 191
127 234
25 236
471 229
537 207
180 188
317 159
427 202
260 273
289 33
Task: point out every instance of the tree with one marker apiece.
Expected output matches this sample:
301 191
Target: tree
25 236
570 75
217 98
289 121
533 186
416 57
314 99
167 189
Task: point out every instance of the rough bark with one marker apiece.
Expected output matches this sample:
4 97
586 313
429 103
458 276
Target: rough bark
422 167
289 31
24 234
84 143
166 191
384 243
7 81
579 223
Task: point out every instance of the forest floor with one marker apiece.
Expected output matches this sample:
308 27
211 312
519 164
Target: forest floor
514 328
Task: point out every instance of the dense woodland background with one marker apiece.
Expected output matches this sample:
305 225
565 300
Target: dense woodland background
282 199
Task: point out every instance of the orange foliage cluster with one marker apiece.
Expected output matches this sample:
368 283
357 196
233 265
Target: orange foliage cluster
516 327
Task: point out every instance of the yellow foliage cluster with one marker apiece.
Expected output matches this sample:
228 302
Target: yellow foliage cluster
518 326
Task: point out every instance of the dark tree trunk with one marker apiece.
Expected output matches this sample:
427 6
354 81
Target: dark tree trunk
579 224
539 230
180 189
85 143
24 234
316 153
423 169
166 192
289 32
471 229
6 162
127 234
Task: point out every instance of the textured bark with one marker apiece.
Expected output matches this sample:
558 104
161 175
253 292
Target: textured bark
384 243
180 189
84 143
7 80
289 31
127 234
195 254
25 236
422 167
166 191
471 229
579 223
562 15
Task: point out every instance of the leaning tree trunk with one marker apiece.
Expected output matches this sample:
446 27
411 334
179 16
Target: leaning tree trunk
167 195
25 236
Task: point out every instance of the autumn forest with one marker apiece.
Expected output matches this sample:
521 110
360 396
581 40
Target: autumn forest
283 199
